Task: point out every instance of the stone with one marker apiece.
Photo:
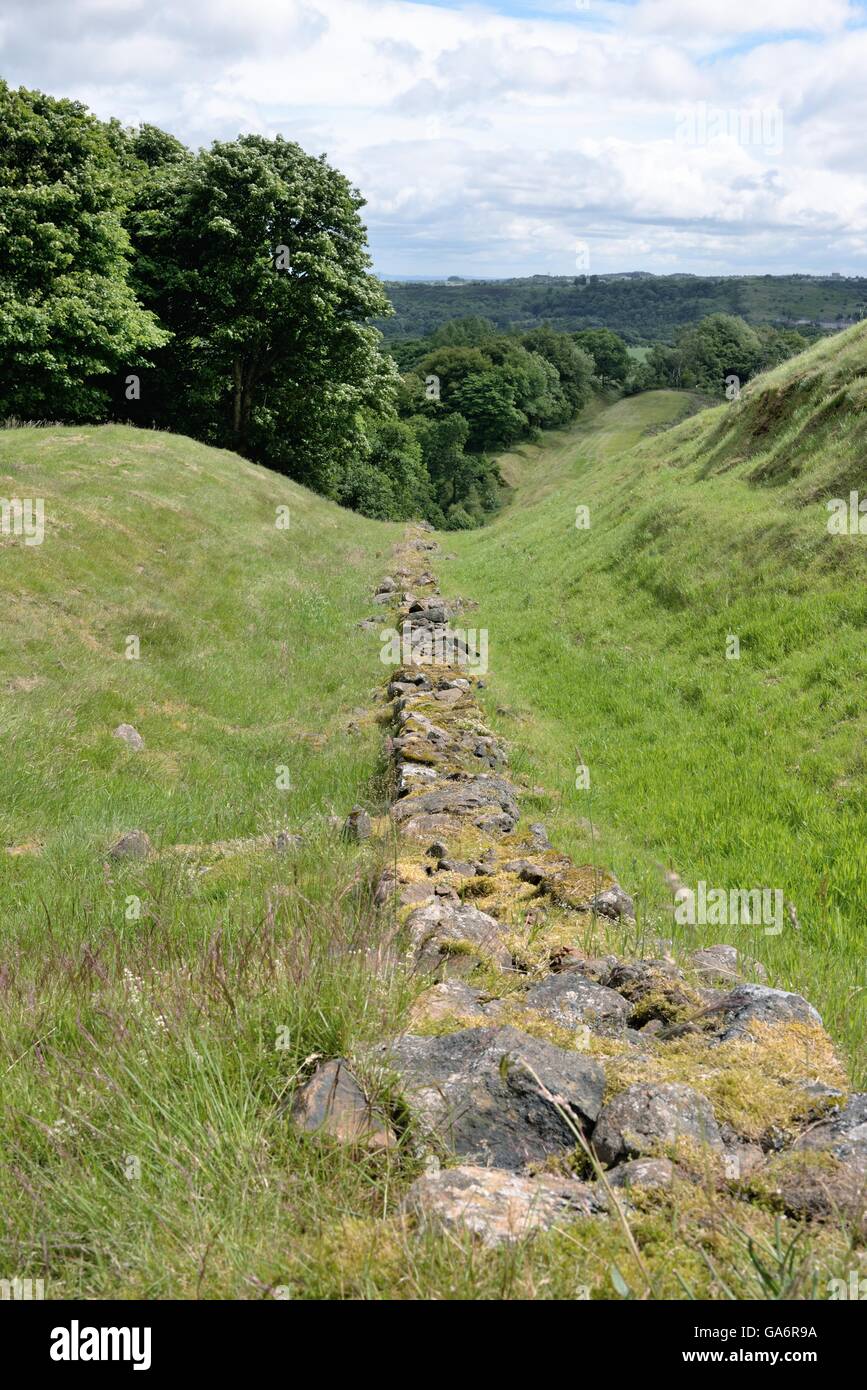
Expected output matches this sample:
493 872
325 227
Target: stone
723 964
571 1000
655 989
539 837
487 802
843 1134
382 598
469 1093
498 1207
448 697
447 999
645 1117
759 1004
814 1186
613 902
357 825
134 844
284 841
131 737
333 1103
642 1172
386 585
462 867
452 938
597 968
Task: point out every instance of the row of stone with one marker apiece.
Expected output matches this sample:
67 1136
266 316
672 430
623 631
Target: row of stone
483 1087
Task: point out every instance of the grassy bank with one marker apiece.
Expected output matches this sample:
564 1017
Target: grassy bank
609 647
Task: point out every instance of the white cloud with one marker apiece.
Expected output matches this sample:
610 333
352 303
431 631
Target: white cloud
490 143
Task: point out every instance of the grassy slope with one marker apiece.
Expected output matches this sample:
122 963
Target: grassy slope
159 1033
171 1039
612 641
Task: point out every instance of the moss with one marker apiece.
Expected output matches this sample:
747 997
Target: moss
755 1084
668 1005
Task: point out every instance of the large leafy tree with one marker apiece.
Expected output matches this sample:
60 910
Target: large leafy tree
609 354
254 255
69 320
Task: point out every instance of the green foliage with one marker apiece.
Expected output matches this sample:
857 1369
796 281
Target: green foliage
642 308
69 320
707 353
611 359
253 254
475 390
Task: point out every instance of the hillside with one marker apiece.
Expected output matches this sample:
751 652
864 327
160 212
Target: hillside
612 641
158 1012
643 308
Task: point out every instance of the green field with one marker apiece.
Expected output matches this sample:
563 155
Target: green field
155 1015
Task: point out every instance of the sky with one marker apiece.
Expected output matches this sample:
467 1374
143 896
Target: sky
511 137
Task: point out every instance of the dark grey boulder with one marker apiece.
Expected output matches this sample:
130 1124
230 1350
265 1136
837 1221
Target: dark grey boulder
471 1093
843 1134
485 801
759 1004
647 1116
572 1000
452 938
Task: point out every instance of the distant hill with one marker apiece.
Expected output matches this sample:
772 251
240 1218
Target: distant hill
643 308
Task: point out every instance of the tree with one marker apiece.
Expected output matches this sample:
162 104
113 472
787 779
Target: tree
487 402
720 345
253 253
69 319
611 359
575 366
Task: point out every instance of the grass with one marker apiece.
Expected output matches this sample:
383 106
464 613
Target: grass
609 649
154 1016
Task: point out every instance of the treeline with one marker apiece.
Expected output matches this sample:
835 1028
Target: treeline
469 390
711 352
642 308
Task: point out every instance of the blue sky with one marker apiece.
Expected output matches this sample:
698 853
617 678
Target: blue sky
713 136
